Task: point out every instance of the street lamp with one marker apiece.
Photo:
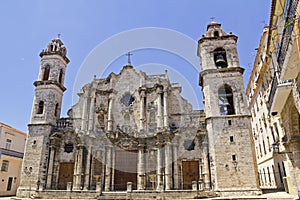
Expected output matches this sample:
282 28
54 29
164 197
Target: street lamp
275 147
276 150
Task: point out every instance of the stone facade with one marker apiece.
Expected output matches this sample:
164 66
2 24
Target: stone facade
135 132
231 150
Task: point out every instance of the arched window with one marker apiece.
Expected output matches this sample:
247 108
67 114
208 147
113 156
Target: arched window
216 34
226 100
220 58
60 76
56 111
40 108
46 73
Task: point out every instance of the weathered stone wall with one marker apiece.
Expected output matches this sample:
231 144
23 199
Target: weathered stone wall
228 173
35 159
49 91
50 95
291 143
231 152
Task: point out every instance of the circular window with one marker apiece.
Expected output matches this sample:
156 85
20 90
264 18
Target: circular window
127 99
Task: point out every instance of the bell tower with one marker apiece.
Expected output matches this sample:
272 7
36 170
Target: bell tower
231 155
46 109
49 87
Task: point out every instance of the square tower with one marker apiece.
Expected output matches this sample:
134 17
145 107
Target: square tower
231 154
46 109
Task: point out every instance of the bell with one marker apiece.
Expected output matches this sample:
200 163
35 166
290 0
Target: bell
220 61
226 103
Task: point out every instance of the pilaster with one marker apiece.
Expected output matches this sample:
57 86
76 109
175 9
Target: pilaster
141 168
50 167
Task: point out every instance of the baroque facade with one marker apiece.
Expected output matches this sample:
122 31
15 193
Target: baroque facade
135 132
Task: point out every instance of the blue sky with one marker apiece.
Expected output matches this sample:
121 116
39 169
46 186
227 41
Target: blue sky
28 26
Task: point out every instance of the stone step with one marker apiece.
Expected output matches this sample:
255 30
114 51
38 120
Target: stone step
113 195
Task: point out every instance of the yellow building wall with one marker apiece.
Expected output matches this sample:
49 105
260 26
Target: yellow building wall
17 145
14 170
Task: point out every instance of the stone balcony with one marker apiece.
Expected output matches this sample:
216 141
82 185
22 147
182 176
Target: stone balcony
280 91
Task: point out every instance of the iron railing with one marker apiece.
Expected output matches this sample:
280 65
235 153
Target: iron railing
63 123
290 14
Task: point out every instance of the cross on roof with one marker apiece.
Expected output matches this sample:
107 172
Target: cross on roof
212 19
129 54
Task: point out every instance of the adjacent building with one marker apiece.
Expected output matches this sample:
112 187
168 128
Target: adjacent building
12 143
274 101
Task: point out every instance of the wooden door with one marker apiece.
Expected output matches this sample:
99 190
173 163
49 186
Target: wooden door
66 171
190 172
125 169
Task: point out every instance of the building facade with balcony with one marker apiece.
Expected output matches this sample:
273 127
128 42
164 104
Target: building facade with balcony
12 143
273 95
266 129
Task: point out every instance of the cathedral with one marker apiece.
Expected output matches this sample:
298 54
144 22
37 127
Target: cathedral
134 134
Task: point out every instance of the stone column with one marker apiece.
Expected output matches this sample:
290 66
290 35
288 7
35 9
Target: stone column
84 113
200 182
88 169
168 166
109 120
78 169
206 173
141 168
113 166
159 171
166 117
159 109
92 113
176 169
108 162
142 111
50 169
